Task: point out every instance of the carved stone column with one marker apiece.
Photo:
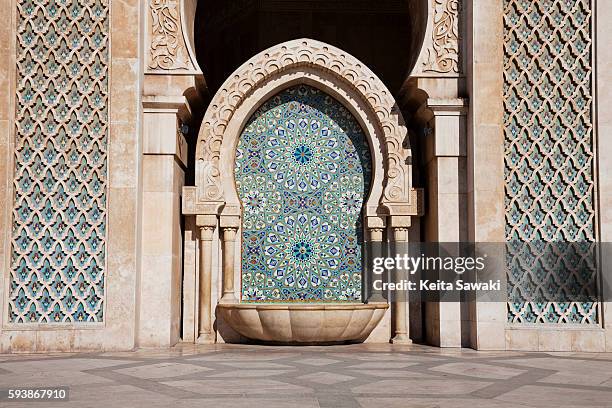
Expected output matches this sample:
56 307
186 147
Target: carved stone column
376 242
400 304
229 226
206 335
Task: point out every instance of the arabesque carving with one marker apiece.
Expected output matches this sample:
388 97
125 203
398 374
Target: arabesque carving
168 50
443 55
344 67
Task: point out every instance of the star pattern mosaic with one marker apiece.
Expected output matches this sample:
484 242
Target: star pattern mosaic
302 172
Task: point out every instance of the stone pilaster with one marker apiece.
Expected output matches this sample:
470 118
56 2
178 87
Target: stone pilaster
164 160
445 151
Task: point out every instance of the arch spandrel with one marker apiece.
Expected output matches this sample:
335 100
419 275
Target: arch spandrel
283 63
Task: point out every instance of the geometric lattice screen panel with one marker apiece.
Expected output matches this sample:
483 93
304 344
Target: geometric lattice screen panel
60 169
302 171
549 160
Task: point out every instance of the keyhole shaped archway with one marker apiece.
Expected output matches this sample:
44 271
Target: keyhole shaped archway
218 205
303 172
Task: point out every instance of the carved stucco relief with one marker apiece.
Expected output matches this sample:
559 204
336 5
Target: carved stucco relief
442 56
332 61
168 51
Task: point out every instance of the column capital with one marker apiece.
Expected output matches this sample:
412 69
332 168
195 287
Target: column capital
448 106
376 234
446 124
175 104
163 120
230 229
206 232
229 233
400 234
377 229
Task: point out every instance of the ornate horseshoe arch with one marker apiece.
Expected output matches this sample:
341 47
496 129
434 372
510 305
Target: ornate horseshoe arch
331 70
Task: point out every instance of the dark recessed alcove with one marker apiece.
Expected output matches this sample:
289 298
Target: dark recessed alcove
384 34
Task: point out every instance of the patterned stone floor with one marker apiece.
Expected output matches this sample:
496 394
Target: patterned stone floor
365 376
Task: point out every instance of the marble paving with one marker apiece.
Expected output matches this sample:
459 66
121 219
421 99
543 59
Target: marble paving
352 376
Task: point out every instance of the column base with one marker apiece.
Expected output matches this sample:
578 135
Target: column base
206 338
401 338
228 299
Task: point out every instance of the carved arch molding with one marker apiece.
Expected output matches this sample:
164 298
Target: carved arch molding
398 198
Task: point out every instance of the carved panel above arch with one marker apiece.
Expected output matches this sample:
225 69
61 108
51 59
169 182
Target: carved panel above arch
169 49
441 53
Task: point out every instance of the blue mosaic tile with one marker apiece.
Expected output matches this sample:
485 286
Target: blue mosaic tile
302 172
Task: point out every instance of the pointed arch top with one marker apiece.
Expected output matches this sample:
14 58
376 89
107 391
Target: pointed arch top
397 198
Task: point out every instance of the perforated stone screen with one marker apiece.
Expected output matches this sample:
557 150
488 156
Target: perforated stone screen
60 162
549 157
